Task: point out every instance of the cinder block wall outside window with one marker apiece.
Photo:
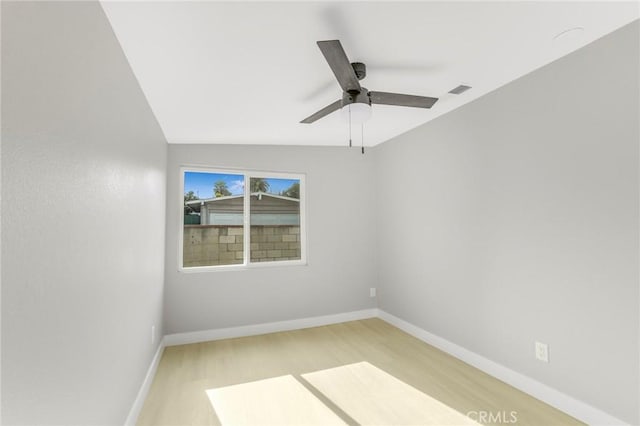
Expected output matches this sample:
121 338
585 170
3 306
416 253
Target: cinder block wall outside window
210 245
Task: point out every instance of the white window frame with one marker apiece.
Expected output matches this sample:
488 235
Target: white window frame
247 264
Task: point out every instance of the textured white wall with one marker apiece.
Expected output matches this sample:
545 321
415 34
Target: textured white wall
523 215
83 198
341 249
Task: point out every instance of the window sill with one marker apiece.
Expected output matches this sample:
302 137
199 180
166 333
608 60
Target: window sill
243 267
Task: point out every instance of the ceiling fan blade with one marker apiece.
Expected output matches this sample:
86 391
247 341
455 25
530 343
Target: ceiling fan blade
340 65
324 111
386 98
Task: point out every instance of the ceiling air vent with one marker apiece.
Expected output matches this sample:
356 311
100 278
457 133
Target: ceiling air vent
460 89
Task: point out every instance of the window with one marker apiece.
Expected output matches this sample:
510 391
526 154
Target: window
241 218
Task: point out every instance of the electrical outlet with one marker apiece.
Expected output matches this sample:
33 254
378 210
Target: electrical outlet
542 352
372 292
153 334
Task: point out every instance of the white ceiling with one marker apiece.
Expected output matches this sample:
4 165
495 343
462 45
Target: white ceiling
239 72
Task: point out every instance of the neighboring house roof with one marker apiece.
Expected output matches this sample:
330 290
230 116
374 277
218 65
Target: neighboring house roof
227 203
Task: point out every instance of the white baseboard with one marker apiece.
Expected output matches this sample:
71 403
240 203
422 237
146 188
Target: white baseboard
559 400
132 418
270 327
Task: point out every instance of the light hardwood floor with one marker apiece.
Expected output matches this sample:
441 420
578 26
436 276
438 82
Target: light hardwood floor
178 393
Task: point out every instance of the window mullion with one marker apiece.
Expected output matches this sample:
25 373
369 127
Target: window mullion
247 219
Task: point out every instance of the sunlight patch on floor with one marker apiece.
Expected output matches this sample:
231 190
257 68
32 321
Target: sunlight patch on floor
276 401
367 394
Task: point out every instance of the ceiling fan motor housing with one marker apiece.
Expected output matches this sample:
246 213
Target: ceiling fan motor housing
361 97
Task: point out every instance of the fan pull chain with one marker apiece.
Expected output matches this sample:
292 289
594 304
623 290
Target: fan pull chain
349 126
362 136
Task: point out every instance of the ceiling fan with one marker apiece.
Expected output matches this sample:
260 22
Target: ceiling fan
356 97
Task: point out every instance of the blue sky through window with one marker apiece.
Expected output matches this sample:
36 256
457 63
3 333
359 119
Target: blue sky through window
201 183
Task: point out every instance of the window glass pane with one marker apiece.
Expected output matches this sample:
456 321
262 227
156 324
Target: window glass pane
213 219
275 219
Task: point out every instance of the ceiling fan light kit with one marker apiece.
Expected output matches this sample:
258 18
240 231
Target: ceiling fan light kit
356 112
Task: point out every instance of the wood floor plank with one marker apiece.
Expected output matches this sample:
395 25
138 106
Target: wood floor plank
178 393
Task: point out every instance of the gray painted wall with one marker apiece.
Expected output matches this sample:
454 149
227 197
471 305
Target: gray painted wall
515 219
83 165
522 217
341 250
